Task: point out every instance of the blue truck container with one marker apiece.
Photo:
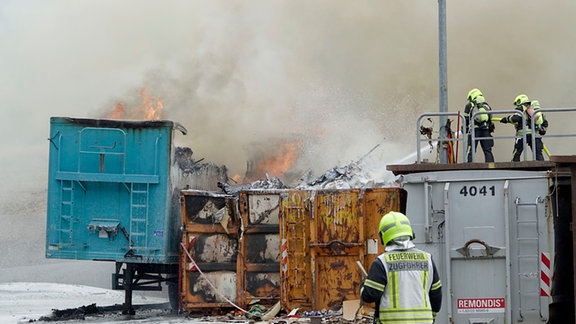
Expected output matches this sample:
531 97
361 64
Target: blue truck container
114 195
110 191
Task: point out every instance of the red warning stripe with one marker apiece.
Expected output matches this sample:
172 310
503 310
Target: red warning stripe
545 266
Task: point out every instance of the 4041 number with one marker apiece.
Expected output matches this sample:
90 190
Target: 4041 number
474 191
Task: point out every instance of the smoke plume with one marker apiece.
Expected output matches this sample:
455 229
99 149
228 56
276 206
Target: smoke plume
339 76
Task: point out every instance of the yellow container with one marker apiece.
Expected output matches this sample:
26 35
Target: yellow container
323 235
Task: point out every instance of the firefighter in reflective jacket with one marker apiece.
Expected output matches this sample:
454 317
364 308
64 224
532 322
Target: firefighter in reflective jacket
480 124
403 281
527 110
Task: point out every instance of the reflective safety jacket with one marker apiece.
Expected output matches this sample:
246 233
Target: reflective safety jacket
405 286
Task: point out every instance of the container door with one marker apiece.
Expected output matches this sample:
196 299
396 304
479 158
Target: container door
476 243
296 276
324 234
259 254
337 242
209 260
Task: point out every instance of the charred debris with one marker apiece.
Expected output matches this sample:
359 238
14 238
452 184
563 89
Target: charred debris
355 174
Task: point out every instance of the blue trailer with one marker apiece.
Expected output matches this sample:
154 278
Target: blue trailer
112 197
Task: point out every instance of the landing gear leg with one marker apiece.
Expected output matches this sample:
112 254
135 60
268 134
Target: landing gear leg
128 278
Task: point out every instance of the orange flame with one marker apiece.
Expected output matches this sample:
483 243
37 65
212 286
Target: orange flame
153 106
279 164
118 111
150 109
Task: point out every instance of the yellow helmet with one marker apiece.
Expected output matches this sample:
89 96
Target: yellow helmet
472 94
479 99
521 99
393 225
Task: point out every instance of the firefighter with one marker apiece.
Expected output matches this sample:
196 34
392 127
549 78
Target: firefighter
527 110
480 124
403 281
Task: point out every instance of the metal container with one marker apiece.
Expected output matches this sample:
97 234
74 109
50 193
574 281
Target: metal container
323 235
209 260
259 261
491 236
110 191
297 246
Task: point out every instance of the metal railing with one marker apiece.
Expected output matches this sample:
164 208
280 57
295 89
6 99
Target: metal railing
462 136
430 139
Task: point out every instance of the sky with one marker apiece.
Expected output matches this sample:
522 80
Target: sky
338 77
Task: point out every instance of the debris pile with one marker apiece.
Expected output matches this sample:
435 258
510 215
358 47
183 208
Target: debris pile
353 175
71 313
195 174
112 312
267 184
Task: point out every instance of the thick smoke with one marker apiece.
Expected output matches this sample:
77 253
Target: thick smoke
324 74
342 76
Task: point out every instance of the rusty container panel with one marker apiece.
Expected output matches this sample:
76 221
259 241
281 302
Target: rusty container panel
336 242
377 202
296 275
259 256
324 233
210 258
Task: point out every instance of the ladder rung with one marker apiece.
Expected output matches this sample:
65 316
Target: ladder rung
139 206
527 222
138 220
137 234
528 256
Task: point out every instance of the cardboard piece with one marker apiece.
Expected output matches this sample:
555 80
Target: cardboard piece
350 309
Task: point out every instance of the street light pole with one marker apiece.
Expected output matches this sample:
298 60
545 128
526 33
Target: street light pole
443 84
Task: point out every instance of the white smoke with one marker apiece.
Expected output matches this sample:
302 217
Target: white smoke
343 75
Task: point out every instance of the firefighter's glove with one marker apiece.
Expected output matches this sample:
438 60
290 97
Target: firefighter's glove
542 131
504 120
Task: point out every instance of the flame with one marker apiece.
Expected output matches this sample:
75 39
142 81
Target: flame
278 165
118 111
151 108
236 178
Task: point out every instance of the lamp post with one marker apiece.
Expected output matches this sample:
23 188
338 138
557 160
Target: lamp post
443 84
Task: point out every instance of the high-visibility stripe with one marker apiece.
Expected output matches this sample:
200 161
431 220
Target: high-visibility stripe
373 284
425 287
395 298
436 285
